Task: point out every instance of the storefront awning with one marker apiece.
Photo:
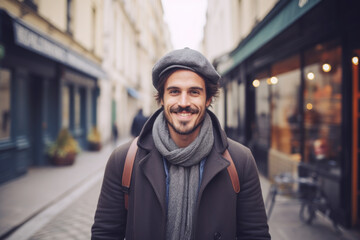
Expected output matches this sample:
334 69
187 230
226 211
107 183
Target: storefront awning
31 39
282 16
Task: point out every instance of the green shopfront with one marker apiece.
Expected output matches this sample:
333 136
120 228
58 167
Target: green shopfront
292 95
44 87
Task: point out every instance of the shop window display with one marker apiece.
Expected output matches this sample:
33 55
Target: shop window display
232 105
322 105
5 120
77 108
262 111
65 107
285 107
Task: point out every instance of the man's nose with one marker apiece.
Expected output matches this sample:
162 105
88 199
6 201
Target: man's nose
184 100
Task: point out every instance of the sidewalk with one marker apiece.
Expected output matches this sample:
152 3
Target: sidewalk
285 222
25 197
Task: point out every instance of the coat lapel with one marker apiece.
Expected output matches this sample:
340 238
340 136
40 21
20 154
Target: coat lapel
215 163
153 168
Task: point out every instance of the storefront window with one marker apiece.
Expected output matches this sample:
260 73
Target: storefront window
65 107
285 103
242 106
77 108
262 110
232 105
5 120
322 104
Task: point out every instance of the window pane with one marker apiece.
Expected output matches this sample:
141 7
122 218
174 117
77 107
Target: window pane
77 108
5 120
285 114
232 105
65 107
322 102
262 111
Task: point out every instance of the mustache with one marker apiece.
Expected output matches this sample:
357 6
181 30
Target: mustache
185 109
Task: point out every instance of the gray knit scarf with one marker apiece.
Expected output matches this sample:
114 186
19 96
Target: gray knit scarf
183 173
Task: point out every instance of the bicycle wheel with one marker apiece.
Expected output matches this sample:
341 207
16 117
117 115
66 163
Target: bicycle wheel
307 212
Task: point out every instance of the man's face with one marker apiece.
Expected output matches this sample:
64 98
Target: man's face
184 102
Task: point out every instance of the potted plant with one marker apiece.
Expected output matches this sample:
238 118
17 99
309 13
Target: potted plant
94 139
64 150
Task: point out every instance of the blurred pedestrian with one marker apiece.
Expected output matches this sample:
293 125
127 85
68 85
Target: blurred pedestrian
138 123
115 133
181 187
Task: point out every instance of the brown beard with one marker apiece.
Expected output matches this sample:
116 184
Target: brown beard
187 132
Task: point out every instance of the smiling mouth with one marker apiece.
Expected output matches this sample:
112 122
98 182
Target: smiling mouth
184 114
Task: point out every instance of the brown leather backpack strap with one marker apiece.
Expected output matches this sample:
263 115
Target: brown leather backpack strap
128 166
232 172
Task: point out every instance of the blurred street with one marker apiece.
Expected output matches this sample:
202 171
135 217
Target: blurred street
68 212
61 203
75 74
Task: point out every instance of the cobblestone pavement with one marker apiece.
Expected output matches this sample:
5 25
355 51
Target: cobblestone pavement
75 222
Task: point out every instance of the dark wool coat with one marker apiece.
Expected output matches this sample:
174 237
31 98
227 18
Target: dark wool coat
220 213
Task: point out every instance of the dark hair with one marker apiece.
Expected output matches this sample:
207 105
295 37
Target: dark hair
212 89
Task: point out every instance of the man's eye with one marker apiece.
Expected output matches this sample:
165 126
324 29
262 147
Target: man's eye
194 92
174 91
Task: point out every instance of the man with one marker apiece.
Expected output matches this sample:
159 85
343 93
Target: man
138 123
180 188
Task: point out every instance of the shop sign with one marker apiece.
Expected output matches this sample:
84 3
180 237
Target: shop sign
34 41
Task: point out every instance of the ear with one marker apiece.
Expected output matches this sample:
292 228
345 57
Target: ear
162 102
208 102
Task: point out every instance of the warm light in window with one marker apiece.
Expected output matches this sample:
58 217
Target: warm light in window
326 67
310 76
309 106
268 81
355 60
256 83
274 80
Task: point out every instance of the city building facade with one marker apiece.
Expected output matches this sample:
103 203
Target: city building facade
135 36
293 85
50 66
74 64
232 20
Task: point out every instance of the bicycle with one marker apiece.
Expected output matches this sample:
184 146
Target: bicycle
315 201
283 185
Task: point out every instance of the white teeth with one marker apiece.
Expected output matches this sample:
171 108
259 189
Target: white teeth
184 114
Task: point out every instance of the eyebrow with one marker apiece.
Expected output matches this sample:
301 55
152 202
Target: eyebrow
191 88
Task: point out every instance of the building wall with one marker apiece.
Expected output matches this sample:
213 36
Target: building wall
54 77
134 38
233 20
299 84
125 37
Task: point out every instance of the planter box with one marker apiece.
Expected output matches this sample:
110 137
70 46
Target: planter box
69 159
94 146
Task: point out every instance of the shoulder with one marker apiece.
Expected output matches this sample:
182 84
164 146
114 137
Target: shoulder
239 150
117 158
243 158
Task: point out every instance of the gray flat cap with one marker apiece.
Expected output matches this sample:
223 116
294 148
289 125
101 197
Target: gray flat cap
187 59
